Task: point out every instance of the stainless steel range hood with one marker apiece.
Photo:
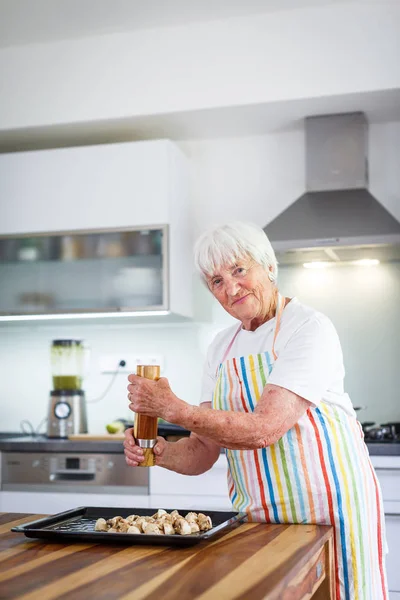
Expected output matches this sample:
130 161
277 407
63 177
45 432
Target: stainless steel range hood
337 219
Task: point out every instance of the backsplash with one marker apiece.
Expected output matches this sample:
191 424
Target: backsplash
362 303
26 375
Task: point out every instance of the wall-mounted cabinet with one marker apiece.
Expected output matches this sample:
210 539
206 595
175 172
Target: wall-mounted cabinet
93 272
95 230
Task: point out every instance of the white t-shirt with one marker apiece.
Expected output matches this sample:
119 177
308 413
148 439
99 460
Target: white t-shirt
310 359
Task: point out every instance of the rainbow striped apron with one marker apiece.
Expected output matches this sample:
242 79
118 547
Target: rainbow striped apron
318 472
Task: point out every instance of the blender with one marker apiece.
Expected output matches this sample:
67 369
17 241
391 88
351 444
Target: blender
67 407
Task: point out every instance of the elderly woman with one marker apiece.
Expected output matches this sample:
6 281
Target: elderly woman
274 384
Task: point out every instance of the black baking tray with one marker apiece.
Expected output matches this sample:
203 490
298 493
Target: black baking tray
78 525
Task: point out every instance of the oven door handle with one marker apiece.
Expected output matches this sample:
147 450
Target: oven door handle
72 475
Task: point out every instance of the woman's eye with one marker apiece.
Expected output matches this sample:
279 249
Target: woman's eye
239 271
216 282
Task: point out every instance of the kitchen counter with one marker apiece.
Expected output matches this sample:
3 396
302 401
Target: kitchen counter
253 560
43 444
384 448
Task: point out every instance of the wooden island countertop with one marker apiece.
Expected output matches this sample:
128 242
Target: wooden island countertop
251 561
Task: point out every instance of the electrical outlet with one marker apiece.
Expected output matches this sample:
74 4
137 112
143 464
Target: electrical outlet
108 363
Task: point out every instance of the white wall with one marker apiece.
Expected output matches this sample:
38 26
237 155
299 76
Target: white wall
363 305
251 178
308 53
244 178
26 376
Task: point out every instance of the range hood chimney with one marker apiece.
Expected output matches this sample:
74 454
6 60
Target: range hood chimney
337 219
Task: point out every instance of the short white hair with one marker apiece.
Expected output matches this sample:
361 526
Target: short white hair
224 244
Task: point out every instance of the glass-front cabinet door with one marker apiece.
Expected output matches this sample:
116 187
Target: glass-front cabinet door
113 271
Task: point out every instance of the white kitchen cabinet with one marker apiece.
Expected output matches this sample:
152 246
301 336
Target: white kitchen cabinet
392 559
194 502
54 502
208 491
99 186
387 469
90 200
101 271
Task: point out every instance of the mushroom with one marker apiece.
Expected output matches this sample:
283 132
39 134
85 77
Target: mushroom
168 528
160 513
123 527
191 517
182 527
133 529
151 529
194 527
101 525
114 521
167 518
140 522
112 530
205 522
131 518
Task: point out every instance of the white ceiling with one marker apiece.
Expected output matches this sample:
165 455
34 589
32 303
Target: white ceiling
35 21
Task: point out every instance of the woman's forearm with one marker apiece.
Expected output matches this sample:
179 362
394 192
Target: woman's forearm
276 413
277 410
233 430
188 456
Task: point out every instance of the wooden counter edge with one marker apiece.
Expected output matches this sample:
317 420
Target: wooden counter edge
314 573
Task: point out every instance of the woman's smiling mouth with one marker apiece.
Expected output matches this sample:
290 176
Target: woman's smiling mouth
240 300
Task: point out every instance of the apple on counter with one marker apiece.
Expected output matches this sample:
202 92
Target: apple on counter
118 426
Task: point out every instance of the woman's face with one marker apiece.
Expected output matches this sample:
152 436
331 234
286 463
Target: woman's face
245 291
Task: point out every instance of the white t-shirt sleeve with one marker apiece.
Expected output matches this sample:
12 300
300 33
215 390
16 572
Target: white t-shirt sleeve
208 382
308 362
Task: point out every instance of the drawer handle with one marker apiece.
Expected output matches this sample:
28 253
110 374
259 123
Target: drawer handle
72 477
388 469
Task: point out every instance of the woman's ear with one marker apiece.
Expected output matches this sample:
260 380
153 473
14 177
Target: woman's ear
271 275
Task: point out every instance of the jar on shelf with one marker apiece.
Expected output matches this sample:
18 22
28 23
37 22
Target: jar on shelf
29 249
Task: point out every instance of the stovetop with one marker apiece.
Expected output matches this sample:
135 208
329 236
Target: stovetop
385 433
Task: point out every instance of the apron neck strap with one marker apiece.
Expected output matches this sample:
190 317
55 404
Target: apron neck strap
231 343
279 310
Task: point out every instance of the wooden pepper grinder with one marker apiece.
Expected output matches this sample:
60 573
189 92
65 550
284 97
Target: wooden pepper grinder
145 429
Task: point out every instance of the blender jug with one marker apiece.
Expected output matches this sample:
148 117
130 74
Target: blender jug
68 360
67 406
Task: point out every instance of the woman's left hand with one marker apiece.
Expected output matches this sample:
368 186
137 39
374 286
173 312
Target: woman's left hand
152 398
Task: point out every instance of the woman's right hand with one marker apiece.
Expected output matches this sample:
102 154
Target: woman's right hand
134 454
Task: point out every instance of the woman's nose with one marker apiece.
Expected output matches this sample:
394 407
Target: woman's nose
232 287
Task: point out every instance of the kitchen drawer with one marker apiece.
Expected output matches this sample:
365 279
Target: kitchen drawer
54 502
199 503
389 479
392 558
